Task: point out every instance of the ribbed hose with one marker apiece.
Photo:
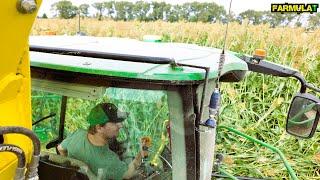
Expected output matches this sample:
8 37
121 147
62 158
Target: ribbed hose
24 131
32 172
17 151
21 158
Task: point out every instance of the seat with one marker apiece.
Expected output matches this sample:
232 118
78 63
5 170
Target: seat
53 167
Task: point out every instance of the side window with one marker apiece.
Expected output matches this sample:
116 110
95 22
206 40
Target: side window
1 139
148 119
45 105
148 113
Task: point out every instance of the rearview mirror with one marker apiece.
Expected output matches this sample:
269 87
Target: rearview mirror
303 116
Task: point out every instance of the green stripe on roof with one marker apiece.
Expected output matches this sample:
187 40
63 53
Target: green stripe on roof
182 53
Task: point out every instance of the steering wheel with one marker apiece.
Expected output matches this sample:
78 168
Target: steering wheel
160 170
157 166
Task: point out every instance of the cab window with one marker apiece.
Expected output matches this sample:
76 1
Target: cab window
148 116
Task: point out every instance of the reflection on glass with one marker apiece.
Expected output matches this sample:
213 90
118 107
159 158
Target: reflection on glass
302 116
148 116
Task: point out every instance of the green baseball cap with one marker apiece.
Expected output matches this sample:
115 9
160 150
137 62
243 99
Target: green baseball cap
105 112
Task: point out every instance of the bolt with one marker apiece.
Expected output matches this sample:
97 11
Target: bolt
27 6
86 63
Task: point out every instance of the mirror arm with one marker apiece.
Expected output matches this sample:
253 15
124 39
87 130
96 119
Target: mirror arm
313 87
269 68
303 82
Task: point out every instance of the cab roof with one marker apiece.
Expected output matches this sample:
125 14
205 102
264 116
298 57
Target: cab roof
181 53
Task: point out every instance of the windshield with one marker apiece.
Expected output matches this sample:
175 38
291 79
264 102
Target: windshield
147 117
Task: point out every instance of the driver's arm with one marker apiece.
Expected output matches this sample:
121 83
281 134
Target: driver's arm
62 151
133 166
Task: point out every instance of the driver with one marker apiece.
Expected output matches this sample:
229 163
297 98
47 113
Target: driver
92 146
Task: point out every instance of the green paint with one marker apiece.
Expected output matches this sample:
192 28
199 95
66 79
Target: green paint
138 70
152 38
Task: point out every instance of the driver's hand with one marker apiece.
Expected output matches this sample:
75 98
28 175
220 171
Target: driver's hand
145 144
144 154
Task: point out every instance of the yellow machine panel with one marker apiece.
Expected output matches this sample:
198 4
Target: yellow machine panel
17 17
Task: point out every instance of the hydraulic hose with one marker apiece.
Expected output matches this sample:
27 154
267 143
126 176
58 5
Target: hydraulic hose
21 158
272 148
24 131
32 172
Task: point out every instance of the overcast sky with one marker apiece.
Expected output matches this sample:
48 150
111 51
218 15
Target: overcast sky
238 6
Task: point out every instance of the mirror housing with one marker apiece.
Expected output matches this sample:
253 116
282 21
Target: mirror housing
303 115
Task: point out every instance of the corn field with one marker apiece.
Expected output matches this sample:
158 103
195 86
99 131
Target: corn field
256 106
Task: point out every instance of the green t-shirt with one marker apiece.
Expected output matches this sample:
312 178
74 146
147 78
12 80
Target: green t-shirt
96 157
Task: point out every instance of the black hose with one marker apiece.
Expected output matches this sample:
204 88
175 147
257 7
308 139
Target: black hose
17 151
102 55
24 131
44 118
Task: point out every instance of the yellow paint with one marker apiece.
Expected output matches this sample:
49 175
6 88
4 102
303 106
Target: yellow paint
15 102
10 87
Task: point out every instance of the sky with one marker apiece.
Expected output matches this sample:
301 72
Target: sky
237 6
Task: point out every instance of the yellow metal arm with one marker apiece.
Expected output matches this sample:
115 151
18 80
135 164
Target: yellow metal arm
17 17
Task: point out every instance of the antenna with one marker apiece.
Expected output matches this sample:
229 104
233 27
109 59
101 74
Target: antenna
222 55
79 33
226 33
214 104
79 30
